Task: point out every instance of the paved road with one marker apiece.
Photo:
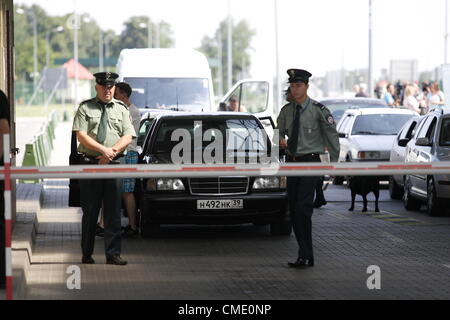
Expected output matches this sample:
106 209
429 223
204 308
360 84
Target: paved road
245 262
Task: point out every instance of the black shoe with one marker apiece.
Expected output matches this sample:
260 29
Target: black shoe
318 204
117 260
129 232
301 263
99 231
87 260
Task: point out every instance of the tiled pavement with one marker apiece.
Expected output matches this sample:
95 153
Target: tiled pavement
244 262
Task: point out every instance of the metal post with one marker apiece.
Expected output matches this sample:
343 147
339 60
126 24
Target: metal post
369 85
149 33
75 51
230 48
100 51
157 25
35 60
277 62
47 49
220 69
446 33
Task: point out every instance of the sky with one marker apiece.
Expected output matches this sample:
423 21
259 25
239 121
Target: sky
316 35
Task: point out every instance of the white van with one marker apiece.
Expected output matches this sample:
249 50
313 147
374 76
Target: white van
170 79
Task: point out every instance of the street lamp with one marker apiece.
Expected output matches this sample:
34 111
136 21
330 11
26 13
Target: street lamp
149 31
47 43
35 62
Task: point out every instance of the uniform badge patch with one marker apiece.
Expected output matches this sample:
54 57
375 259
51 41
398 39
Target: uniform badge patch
330 119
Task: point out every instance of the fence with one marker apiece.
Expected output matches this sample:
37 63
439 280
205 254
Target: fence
38 151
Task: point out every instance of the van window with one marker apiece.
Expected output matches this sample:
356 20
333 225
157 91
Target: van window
181 94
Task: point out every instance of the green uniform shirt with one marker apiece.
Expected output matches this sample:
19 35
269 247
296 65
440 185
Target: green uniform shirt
88 117
317 128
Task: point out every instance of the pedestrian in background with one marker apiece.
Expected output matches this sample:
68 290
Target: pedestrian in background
389 96
104 130
410 102
310 128
362 91
123 93
436 96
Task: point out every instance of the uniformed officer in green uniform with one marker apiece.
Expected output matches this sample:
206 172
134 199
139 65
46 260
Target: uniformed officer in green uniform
310 128
104 130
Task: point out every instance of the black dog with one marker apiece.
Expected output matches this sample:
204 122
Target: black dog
363 185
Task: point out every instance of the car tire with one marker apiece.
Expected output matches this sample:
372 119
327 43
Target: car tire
149 230
281 228
395 191
147 227
435 207
408 200
337 181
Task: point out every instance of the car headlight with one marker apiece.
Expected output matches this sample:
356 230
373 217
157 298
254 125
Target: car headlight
369 155
164 184
269 183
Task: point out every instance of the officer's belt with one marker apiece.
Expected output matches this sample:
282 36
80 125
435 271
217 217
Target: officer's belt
84 159
310 157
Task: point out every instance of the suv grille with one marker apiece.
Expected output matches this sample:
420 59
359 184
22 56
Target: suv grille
218 185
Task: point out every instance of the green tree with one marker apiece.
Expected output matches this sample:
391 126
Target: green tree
241 40
135 34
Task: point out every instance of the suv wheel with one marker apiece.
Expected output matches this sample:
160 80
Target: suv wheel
434 204
337 181
281 228
395 191
409 202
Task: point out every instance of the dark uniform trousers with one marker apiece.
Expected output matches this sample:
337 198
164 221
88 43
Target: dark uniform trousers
94 193
301 191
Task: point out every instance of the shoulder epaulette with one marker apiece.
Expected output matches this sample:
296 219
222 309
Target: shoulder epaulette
121 103
86 101
318 104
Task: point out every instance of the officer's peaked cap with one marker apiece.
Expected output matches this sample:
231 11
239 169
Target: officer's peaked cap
106 78
298 75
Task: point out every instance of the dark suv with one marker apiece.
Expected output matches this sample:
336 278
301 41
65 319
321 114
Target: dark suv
212 200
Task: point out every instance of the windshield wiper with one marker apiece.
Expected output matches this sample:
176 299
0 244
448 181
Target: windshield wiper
365 132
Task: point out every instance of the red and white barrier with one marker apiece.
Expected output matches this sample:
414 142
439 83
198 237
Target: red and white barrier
8 216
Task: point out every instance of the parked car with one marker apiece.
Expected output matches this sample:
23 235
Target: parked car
430 143
367 134
213 200
398 154
338 106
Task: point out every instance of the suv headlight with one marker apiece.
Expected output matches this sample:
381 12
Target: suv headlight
269 183
164 184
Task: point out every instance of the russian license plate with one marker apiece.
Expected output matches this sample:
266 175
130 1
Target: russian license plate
220 204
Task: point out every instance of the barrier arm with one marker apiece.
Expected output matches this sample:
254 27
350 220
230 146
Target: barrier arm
8 218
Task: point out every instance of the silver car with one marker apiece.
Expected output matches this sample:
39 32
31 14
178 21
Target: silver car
398 154
430 143
367 134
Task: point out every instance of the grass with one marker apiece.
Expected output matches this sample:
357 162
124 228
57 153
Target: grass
35 111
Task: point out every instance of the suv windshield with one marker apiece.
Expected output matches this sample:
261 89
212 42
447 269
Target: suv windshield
445 132
241 134
379 124
181 94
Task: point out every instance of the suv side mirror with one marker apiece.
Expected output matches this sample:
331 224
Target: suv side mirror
423 142
222 106
403 142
